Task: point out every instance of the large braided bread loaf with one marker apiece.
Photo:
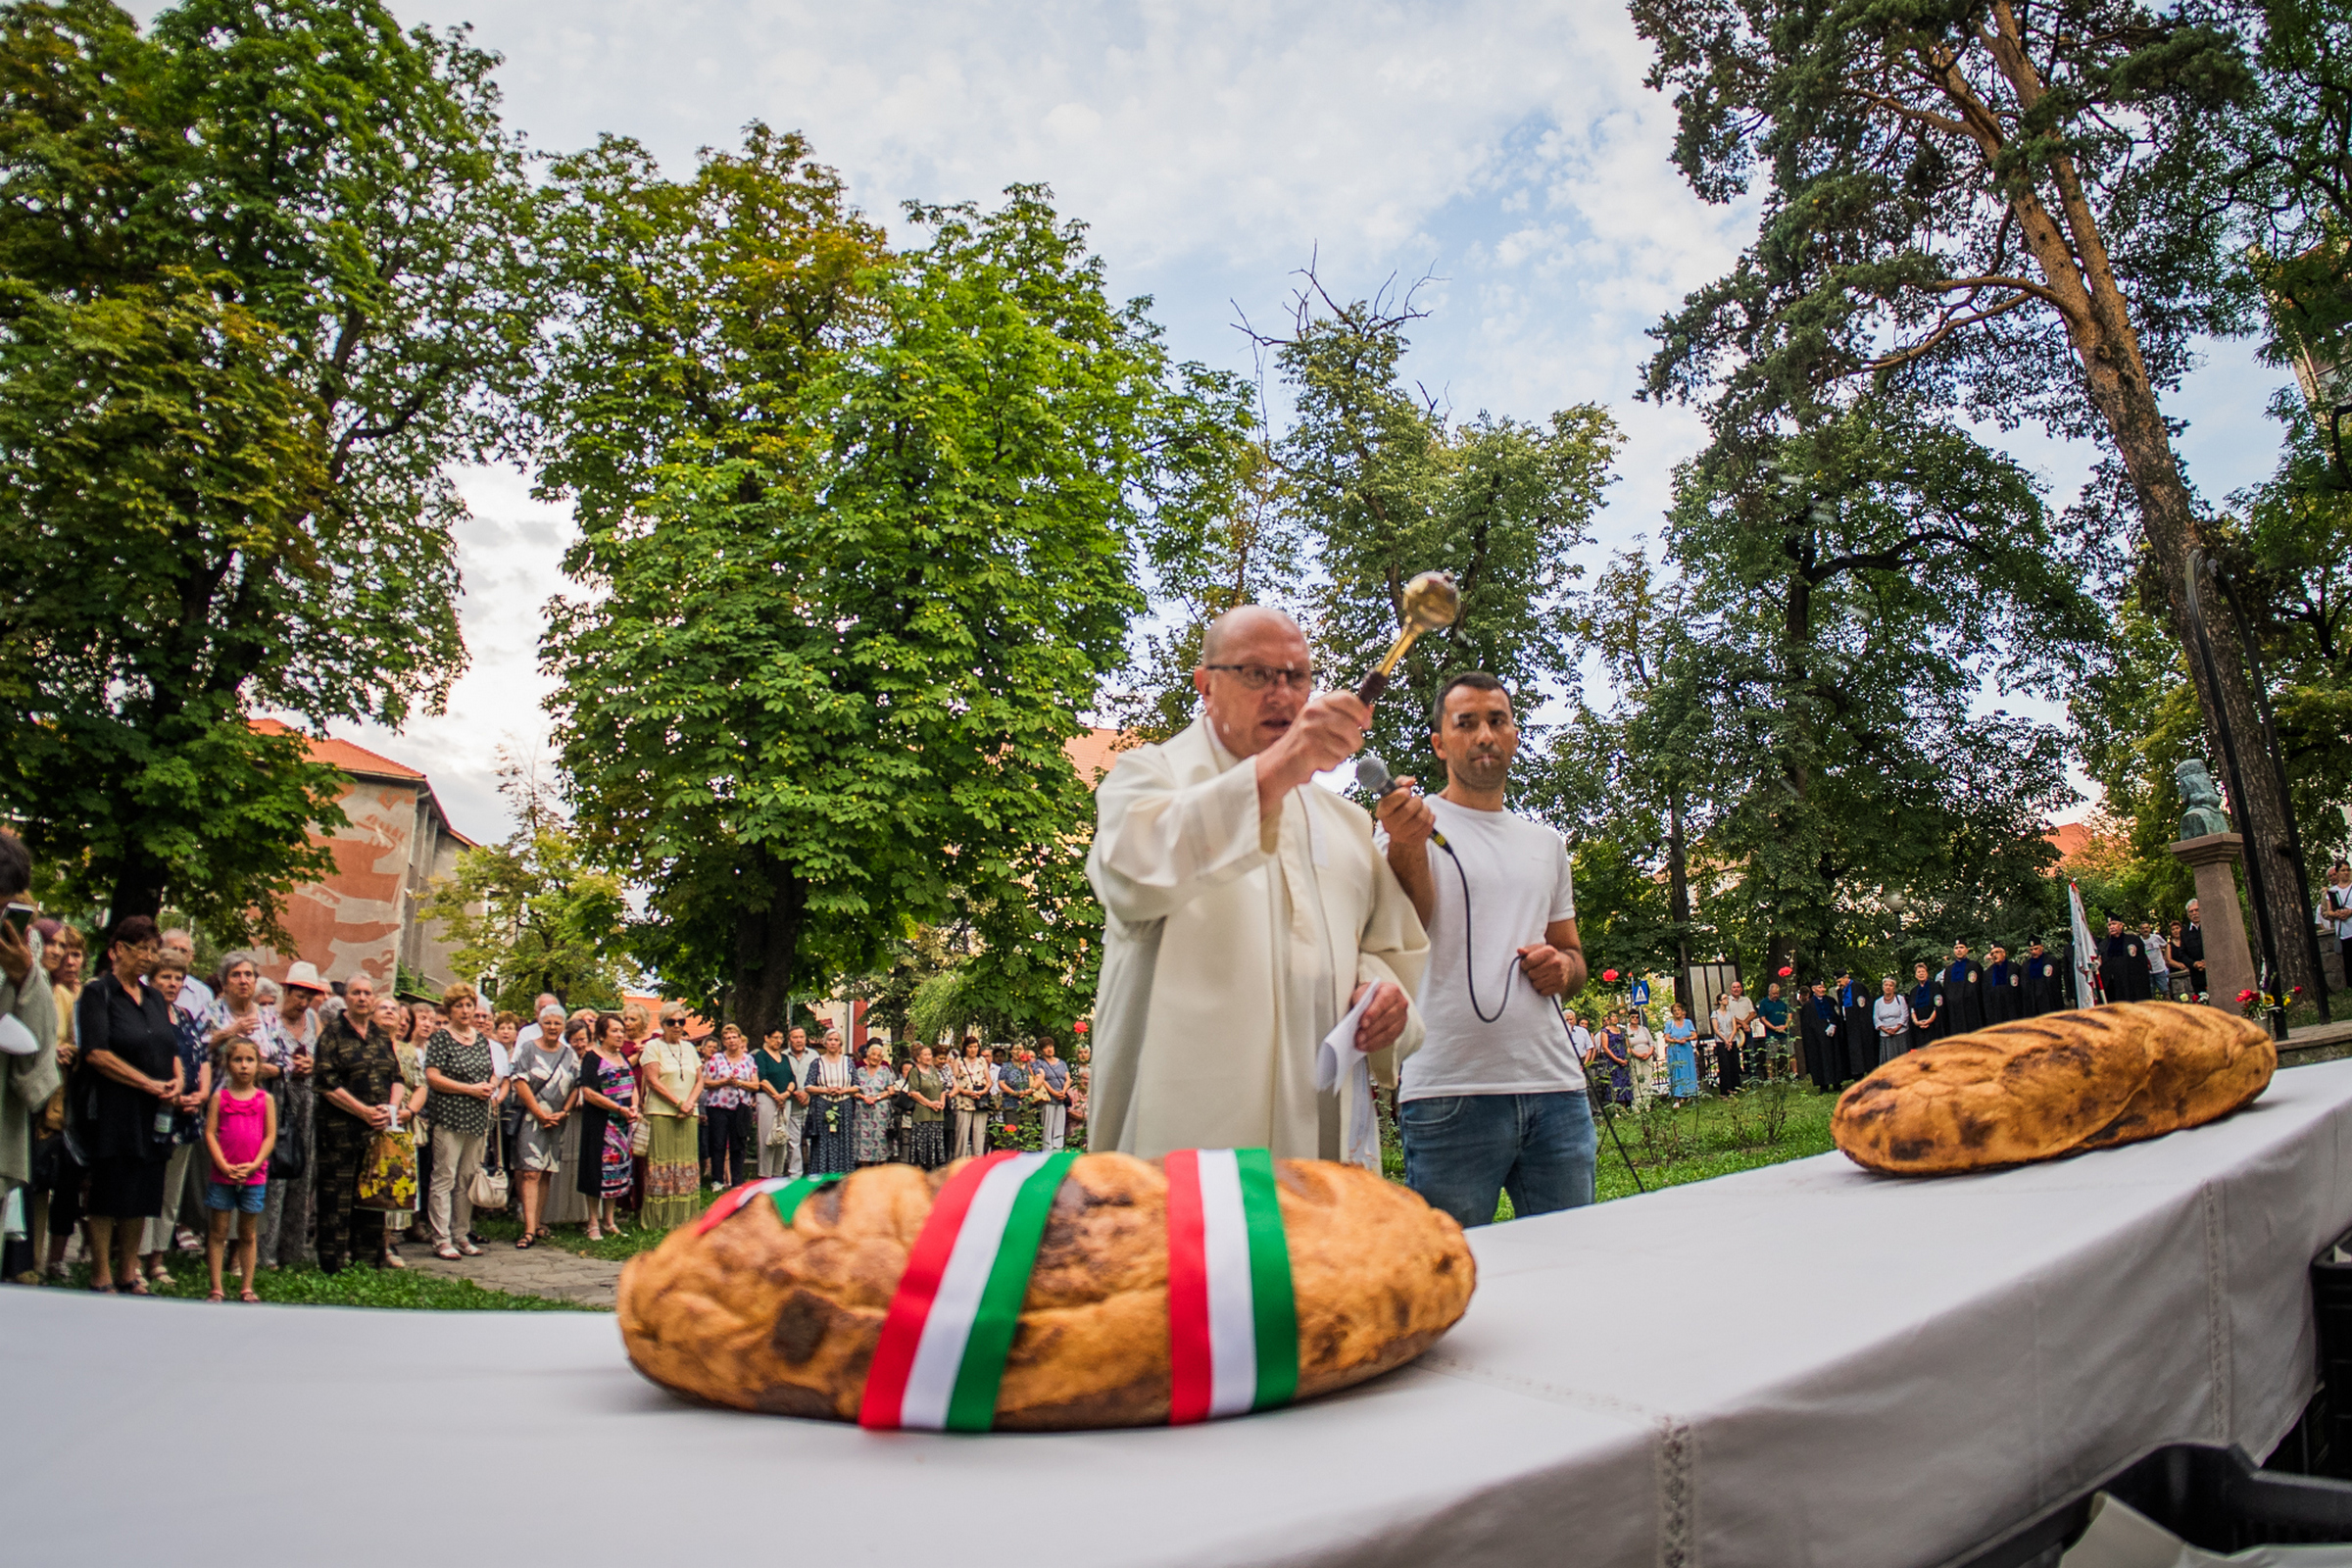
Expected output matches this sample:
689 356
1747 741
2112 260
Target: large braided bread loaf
762 1315
2060 1084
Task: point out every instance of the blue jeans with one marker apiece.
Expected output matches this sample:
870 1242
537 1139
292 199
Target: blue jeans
1462 1151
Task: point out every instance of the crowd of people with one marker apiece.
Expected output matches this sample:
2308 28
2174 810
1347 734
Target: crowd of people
1838 1029
272 1123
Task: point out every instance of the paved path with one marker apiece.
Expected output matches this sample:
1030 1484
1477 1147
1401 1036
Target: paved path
544 1270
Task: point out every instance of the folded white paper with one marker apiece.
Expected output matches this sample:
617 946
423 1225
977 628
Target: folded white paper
1339 1063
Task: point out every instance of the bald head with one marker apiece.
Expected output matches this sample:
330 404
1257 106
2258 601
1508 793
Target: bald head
1241 625
1252 642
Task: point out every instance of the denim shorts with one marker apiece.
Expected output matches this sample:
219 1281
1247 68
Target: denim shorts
229 1198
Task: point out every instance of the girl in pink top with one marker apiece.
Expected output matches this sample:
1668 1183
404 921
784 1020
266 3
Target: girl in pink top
240 1128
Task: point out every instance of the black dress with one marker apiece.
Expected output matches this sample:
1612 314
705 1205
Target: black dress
2045 986
2124 968
116 1127
1964 997
2004 991
1860 1031
588 1178
1927 1001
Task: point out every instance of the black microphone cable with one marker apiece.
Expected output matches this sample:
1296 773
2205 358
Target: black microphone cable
1373 775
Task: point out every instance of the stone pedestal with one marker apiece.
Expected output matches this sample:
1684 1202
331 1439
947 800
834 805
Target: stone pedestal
2228 959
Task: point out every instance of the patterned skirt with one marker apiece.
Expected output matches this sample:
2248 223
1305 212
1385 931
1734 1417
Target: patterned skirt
927 1145
673 1174
830 1150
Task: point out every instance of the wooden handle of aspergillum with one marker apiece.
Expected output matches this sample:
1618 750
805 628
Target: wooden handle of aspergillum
1368 690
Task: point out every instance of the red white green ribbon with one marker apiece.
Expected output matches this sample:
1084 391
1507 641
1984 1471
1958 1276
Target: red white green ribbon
951 1325
789 1192
1233 1324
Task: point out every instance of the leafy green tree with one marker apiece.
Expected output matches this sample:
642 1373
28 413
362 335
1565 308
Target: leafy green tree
262 281
1385 486
857 539
529 911
2024 210
1848 588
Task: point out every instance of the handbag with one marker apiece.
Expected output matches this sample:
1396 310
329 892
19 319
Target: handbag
288 1159
487 1190
388 1172
641 1137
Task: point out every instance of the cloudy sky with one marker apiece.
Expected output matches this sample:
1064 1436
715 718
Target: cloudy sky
1508 150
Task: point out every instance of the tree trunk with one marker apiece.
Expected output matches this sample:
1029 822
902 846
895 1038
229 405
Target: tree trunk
139 889
2066 240
768 942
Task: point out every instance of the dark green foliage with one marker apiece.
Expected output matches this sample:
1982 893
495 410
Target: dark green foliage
261 283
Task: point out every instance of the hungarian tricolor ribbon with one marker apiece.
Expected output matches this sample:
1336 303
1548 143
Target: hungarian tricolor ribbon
950 1324
1232 1325
789 1192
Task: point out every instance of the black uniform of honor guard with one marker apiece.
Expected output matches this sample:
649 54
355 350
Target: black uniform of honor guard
1963 992
1926 1008
2004 986
2045 983
1818 1022
1861 1035
2123 964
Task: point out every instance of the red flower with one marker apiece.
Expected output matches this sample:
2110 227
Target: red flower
1079 1026
1787 970
2246 995
1609 975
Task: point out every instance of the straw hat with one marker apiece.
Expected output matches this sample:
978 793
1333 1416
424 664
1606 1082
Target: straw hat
303 975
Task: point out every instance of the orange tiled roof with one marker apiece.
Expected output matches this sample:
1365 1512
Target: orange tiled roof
357 760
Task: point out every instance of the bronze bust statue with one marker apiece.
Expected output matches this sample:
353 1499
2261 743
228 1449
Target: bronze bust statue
2200 799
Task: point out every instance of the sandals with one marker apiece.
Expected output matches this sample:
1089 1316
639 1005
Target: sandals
524 1243
133 1285
248 1295
447 1255
470 1250
595 1235
214 1295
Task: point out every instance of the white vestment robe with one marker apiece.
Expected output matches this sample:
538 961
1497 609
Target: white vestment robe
1231 947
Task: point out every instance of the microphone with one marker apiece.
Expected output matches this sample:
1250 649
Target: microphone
1372 774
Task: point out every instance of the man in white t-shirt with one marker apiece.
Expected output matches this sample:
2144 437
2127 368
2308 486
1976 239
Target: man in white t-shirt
1493 1100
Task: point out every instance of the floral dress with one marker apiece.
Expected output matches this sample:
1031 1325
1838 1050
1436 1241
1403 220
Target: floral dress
870 1126
613 1167
829 1119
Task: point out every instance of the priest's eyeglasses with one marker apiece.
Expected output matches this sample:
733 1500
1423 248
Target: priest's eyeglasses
1257 677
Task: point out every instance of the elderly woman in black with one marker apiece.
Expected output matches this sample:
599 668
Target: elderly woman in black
126 1084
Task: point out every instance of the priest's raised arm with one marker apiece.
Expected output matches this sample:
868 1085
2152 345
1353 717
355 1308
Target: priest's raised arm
1245 911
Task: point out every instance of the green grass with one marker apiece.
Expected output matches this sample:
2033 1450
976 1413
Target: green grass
1710 1137
1671 1146
400 1290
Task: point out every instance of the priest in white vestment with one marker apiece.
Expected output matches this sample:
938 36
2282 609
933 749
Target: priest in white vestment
1247 911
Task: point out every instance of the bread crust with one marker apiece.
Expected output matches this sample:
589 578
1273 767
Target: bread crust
761 1317
2060 1084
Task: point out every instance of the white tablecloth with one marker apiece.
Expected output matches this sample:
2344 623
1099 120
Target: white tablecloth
1804 1365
